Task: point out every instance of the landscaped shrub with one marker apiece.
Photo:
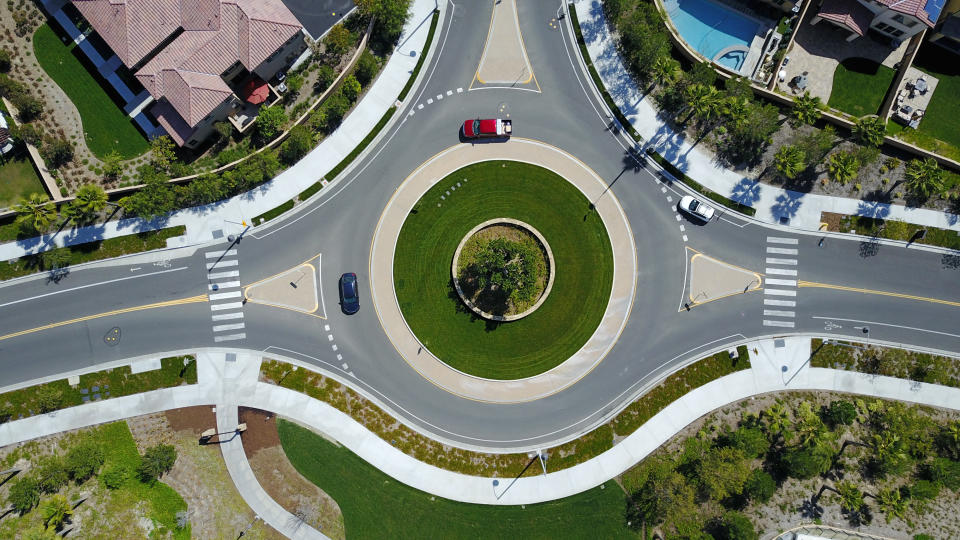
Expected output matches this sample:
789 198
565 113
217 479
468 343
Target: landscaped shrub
24 494
115 476
942 471
156 461
840 412
51 474
325 77
803 463
270 123
350 88
298 143
751 441
58 151
735 526
84 460
759 487
367 66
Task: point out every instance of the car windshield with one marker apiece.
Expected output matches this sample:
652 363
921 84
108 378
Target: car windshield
694 204
476 126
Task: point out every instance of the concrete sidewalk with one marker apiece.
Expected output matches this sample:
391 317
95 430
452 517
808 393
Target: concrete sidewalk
773 204
229 384
225 216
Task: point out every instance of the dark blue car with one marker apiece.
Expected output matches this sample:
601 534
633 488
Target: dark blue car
349 294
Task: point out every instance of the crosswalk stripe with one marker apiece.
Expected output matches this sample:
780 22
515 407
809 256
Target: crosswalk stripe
218 254
227 316
778 313
229 273
780 240
228 305
223 327
225 295
782 324
231 262
781 272
784 303
773 292
231 337
784 282
781 251
223 285
787 262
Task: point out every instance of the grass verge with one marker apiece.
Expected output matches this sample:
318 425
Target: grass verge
562 457
422 59
582 256
106 127
900 363
694 185
892 229
377 506
106 384
91 251
859 86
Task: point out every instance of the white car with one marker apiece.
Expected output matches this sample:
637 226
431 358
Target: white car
695 208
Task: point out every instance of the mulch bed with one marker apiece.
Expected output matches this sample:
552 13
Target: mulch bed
196 419
261 430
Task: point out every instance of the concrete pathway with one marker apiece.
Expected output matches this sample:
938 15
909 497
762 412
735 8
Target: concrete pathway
580 363
225 216
776 365
774 205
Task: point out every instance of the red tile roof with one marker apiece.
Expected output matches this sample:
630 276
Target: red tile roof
849 13
132 28
911 7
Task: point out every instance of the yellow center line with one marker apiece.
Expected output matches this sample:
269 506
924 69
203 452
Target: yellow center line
881 293
168 303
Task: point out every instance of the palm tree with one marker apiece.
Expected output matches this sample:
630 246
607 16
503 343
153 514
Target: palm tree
851 498
700 98
842 166
55 511
89 201
869 130
810 427
924 177
664 70
806 108
891 503
736 110
789 161
777 418
36 212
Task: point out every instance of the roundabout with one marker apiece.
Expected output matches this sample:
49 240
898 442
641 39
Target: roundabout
463 190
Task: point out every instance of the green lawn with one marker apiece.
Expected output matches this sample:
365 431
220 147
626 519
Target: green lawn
105 125
376 506
859 86
939 130
582 256
18 179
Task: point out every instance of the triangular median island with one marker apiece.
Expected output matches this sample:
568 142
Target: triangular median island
712 279
295 289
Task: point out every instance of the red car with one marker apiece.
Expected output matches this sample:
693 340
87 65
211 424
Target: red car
492 127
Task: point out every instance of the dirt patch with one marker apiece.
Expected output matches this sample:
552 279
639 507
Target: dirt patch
196 419
280 479
832 220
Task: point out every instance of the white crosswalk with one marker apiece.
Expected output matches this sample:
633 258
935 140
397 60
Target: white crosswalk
782 288
226 306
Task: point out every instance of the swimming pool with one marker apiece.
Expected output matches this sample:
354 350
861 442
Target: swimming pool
732 59
711 28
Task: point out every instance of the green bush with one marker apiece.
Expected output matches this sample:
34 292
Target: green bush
736 526
923 490
752 441
298 143
759 487
840 412
325 77
367 66
942 471
156 461
24 494
803 463
51 474
115 476
84 460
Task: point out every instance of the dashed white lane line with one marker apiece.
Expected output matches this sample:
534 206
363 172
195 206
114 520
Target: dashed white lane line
459 90
787 262
345 366
779 292
329 337
218 254
429 101
778 313
780 240
682 228
231 337
224 296
781 272
782 282
663 189
783 303
439 97
420 107
678 217
223 264
782 251
334 346
326 328
227 316
228 305
449 92
684 238
339 357
223 285
781 324
669 199
225 327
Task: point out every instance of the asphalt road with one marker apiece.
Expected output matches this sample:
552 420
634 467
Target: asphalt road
660 335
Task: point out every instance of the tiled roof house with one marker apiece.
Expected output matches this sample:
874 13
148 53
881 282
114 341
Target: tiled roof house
896 19
183 50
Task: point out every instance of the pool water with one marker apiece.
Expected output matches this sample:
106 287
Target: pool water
710 28
733 60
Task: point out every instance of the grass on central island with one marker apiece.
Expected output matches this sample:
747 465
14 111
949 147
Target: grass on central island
377 506
859 86
582 256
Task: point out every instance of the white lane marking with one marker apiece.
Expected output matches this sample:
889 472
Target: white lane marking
329 337
231 337
788 262
411 113
334 346
439 97
228 305
218 275
782 251
224 296
223 327
780 240
429 101
223 264
669 198
218 254
420 106
326 328
459 90
781 272
784 303
888 324
682 228
138 276
227 316
339 357
449 92
784 282
684 238
223 285
782 324
779 292
663 189
778 313
678 217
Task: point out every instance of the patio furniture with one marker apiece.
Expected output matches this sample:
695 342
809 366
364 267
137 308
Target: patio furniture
921 85
800 82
